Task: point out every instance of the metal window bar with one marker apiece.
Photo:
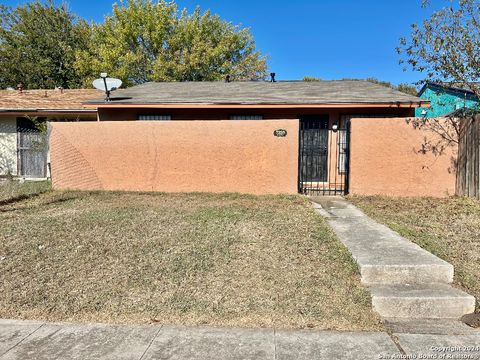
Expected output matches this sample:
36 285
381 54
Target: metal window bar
342 151
246 117
154 117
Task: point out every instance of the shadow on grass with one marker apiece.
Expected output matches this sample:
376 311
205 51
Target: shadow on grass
62 199
20 198
55 200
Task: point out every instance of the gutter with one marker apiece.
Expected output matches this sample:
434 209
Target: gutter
110 105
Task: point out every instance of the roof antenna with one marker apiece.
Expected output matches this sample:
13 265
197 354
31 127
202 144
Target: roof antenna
228 78
272 77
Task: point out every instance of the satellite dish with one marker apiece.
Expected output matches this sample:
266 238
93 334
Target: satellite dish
107 84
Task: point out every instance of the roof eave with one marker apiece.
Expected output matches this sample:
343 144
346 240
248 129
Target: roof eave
448 88
47 111
396 104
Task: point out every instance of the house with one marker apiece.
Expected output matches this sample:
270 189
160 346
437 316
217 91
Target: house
21 152
323 107
325 137
445 99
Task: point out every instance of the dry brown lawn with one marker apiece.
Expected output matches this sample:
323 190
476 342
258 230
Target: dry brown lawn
190 259
449 228
11 190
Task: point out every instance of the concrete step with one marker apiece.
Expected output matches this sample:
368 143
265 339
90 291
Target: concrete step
433 301
383 256
401 274
428 326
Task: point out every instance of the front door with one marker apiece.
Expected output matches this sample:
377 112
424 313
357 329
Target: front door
313 167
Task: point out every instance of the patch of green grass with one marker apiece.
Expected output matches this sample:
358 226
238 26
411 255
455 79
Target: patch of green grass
190 259
12 190
449 228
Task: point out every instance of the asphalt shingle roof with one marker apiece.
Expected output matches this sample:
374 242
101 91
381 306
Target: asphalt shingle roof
258 92
52 99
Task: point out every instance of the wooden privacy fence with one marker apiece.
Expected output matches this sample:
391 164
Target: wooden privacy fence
32 147
468 172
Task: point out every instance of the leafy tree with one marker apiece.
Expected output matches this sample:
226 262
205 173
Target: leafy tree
38 42
379 82
151 41
311 78
446 47
405 88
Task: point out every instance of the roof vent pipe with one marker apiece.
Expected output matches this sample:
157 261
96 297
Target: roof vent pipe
272 77
227 78
20 87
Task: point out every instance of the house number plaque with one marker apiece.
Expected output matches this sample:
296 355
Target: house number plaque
280 133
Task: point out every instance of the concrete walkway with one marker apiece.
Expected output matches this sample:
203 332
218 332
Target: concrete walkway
406 281
38 341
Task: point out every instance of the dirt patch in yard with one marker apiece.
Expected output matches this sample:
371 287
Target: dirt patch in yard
449 228
190 259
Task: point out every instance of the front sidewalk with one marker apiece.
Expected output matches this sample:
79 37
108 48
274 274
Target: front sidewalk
38 340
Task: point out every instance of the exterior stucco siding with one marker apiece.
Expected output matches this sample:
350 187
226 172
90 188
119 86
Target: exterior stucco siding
8 146
386 159
176 156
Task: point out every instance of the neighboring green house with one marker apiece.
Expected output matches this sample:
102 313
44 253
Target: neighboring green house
445 99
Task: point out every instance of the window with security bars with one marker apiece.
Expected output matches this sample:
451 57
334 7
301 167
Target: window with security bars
154 117
246 117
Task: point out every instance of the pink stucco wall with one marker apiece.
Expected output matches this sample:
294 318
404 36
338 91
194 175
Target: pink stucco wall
180 156
385 159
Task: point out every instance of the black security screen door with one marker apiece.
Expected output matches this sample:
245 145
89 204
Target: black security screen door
314 148
323 157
